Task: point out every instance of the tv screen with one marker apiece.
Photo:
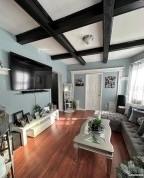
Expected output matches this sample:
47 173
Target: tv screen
26 74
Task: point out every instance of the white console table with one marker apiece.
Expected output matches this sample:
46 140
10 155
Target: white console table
36 126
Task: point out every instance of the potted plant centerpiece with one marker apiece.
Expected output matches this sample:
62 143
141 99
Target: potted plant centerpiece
95 128
94 125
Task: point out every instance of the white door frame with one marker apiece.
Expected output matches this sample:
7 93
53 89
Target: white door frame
103 70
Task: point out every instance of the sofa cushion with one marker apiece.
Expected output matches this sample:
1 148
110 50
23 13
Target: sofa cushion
134 143
115 119
129 109
129 112
141 129
135 115
140 120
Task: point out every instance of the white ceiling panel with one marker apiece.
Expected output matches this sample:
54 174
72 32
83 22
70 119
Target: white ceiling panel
125 53
129 26
69 61
50 46
61 8
75 36
93 58
14 19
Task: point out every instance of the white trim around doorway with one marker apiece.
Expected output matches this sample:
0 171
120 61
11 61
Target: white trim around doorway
100 71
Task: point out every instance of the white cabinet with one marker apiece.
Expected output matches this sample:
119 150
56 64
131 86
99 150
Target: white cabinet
36 126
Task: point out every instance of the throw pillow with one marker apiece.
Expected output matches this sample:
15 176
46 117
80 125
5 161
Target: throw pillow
141 129
129 112
140 120
126 109
135 115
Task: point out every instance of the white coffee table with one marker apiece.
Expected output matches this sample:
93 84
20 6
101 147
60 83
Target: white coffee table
103 145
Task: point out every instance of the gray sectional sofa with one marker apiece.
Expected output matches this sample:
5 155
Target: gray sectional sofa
120 123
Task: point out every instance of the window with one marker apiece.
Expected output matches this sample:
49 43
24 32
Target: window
136 84
22 80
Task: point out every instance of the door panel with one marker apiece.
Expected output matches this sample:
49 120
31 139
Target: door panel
93 92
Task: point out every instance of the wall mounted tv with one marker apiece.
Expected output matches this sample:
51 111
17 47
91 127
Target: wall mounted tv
27 75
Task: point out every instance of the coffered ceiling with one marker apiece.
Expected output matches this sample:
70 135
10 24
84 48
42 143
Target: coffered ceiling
126 28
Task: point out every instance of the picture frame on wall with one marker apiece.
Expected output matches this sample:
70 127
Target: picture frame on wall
110 82
79 82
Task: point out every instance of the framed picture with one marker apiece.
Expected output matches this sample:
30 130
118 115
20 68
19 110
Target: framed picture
19 119
79 82
110 82
28 117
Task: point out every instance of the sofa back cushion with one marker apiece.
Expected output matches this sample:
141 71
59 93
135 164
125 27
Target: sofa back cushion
135 115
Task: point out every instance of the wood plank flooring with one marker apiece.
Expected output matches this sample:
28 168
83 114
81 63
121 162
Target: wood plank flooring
50 155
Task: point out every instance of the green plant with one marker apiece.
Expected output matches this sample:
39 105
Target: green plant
132 169
37 108
74 105
93 125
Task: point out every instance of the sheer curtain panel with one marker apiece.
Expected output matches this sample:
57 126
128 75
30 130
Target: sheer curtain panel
136 84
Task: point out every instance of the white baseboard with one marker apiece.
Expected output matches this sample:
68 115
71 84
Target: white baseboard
81 109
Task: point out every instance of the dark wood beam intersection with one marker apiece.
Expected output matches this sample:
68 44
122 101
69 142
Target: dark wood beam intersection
79 19
36 11
114 47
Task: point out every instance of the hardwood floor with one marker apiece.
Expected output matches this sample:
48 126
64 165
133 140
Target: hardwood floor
50 155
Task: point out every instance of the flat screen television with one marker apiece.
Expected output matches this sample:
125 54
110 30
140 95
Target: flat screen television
28 75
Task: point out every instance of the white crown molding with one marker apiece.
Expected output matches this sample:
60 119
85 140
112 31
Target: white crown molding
116 69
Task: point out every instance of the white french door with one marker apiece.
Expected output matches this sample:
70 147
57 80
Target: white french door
93 92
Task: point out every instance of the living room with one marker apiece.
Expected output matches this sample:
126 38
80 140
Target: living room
71 89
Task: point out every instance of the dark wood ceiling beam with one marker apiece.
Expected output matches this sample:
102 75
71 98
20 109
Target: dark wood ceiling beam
36 11
79 19
114 47
108 7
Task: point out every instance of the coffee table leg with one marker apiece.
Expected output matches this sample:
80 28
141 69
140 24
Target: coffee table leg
109 165
76 153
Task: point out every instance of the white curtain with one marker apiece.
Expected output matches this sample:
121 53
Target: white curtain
136 84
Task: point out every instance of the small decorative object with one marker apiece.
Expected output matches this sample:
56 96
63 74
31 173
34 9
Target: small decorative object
37 108
37 115
95 126
46 109
110 81
79 82
87 38
3 70
50 105
132 168
28 117
1 65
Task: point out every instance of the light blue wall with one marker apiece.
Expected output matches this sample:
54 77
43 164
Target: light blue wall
79 91
108 94
15 101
